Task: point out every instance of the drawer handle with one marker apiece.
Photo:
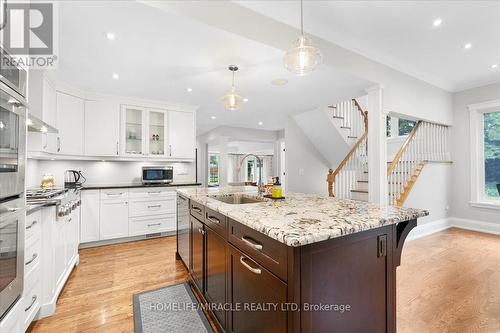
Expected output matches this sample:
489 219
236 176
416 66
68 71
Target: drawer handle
250 268
252 243
31 225
154 206
33 300
196 209
114 194
35 255
201 231
153 224
213 219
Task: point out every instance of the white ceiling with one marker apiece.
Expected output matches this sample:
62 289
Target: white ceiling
158 55
400 34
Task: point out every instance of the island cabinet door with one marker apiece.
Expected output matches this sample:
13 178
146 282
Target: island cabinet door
215 282
253 292
197 253
353 277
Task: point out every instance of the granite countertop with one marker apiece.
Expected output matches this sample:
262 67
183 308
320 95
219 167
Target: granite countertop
303 219
134 185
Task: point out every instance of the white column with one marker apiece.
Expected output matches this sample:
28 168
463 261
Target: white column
223 161
377 146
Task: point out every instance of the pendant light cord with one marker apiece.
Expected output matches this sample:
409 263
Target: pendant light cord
301 18
233 80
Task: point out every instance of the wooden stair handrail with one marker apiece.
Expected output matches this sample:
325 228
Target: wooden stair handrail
401 150
349 154
364 114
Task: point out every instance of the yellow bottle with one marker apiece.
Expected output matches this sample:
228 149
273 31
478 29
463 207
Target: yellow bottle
276 191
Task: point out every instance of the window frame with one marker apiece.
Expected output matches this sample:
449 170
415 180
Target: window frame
477 176
218 169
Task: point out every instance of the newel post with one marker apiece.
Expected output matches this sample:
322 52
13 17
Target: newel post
330 178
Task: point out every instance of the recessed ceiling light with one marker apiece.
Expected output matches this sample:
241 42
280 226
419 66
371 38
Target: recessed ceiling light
213 117
260 123
467 46
279 82
494 66
437 22
245 100
116 76
110 36
189 89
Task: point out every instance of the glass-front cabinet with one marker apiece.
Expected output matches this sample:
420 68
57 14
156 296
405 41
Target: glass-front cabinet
144 131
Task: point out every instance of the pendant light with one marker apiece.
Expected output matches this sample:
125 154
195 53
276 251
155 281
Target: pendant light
303 56
232 100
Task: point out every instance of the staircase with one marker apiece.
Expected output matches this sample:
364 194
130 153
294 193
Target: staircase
350 179
427 142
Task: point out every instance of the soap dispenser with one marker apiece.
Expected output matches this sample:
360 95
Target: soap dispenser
276 191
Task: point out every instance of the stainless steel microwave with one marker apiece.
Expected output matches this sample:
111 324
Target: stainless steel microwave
157 175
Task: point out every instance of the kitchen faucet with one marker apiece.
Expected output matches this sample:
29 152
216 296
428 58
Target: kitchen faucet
260 184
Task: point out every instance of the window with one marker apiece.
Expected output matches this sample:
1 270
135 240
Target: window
491 155
398 126
405 126
485 154
213 169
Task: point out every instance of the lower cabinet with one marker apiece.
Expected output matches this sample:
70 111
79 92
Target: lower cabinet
215 273
250 283
197 268
113 219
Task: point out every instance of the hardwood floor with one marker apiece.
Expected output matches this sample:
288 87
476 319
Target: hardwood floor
98 295
447 282
450 282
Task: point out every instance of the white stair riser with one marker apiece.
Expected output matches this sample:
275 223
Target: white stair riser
362 186
359 196
362 176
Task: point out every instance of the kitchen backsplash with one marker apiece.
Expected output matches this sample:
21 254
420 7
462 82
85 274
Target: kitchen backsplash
102 173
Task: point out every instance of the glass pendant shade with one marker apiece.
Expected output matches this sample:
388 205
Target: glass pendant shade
232 100
303 57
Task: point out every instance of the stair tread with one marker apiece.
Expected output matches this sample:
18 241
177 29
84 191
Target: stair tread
352 137
338 117
346 127
359 191
362 181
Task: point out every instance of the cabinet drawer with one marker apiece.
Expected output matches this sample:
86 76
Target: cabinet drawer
33 222
143 226
30 304
114 194
266 251
33 249
197 210
146 207
151 192
216 221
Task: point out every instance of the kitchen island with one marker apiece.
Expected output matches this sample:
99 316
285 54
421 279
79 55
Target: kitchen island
304 264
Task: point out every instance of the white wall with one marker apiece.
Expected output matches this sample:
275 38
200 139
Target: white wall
461 194
102 173
432 192
306 169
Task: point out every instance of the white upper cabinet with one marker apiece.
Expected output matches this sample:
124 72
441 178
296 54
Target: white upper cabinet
101 128
133 130
70 111
42 100
156 143
181 136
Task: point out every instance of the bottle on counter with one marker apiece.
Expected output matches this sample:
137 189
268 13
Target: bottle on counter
276 192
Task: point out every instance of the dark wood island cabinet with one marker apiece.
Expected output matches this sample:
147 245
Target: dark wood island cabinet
254 283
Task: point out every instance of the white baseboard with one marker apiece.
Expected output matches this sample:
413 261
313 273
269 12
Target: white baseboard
474 225
429 228
455 222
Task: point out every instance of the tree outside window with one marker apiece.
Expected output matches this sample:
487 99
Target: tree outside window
213 169
491 154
